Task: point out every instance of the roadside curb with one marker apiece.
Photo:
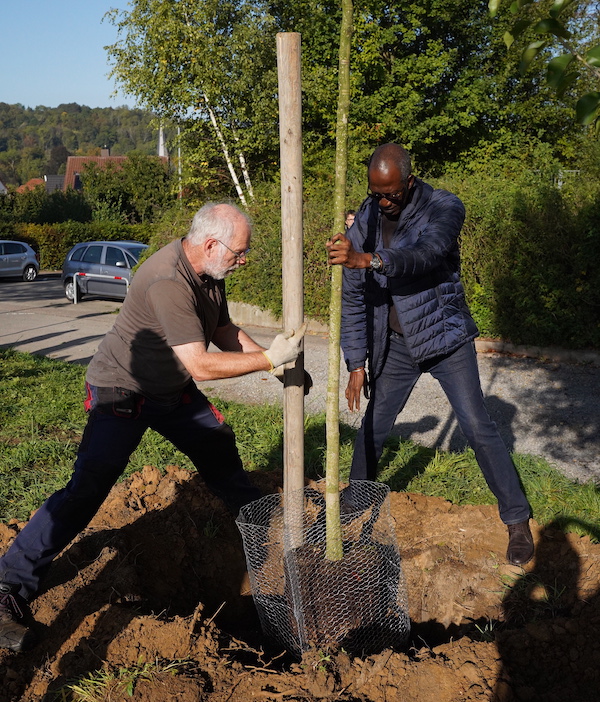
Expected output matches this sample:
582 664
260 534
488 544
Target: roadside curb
550 353
245 314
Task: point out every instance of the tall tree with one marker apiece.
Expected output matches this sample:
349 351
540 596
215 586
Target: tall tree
204 61
132 192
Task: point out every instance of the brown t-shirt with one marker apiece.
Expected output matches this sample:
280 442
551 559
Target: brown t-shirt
167 304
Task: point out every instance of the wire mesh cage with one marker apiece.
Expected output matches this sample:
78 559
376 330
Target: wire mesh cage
303 599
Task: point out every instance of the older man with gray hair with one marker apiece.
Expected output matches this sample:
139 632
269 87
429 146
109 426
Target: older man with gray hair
141 377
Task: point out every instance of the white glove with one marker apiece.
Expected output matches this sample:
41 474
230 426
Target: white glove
285 347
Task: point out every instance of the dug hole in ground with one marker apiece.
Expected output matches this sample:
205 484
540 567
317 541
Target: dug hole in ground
160 576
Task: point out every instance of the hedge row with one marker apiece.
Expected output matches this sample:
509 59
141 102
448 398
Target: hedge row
530 252
531 259
53 241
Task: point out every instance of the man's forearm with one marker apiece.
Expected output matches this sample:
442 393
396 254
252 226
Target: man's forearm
228 364
204 365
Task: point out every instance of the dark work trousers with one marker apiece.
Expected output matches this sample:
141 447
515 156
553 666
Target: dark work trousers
193 425
458 375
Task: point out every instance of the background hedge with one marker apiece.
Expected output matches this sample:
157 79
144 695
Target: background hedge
530 256
530 251
53 241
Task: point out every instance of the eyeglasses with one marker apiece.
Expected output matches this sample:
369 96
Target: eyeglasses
391 197
238 254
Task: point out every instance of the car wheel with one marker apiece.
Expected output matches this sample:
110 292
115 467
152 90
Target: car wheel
30 273
70 290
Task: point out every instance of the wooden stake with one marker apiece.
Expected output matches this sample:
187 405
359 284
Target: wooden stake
290 137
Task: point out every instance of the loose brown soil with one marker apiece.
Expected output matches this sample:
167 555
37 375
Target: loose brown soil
160 575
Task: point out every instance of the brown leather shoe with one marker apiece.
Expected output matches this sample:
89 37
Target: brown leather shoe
520 543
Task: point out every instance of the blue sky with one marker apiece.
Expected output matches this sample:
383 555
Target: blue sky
52 53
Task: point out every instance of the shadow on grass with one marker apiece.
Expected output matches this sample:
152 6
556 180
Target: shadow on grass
400 462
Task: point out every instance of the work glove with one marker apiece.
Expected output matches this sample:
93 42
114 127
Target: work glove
285 347
279 374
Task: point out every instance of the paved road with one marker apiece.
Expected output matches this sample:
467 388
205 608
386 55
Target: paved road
547 409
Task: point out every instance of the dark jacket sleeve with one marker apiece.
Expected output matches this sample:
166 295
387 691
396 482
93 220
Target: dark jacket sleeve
430 248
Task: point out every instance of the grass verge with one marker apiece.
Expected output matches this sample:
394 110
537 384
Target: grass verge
42 419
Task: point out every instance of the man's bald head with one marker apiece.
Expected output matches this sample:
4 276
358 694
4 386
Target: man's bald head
391 157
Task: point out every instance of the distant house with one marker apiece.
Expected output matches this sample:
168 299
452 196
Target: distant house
50 183
31 184
54 182
3 190
76 165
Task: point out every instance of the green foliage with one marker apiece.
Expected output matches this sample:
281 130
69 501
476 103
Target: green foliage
530 251
112 683
570 27
53 242
259 282
132 192
531 257
36 142
427 77
207 67
42 419
39 207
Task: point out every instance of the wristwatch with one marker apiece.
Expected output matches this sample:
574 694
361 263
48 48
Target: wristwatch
376 262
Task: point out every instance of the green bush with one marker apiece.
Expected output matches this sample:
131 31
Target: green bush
259 282
53 241
530 252
39 207
531 258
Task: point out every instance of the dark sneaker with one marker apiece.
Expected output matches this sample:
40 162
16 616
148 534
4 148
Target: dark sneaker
13 634
520 543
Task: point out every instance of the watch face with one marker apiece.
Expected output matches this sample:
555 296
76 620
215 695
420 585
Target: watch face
375 263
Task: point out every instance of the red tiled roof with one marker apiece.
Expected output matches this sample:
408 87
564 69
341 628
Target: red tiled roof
31 185
76 165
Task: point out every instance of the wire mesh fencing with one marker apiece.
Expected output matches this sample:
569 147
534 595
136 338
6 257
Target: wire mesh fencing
303 599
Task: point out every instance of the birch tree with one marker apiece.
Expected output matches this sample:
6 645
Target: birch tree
193 61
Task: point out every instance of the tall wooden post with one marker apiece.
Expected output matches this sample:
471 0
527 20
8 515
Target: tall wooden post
290 137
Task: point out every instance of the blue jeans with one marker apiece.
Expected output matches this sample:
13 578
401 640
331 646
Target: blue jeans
111 435
458 375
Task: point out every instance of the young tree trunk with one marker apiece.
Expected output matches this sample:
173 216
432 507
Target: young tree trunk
334 550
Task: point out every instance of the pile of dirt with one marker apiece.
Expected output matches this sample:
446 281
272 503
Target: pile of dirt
160 576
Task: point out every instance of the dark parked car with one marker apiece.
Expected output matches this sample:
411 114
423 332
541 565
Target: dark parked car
101 268
18 260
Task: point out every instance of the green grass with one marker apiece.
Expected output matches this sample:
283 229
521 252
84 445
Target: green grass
42 419
112 683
